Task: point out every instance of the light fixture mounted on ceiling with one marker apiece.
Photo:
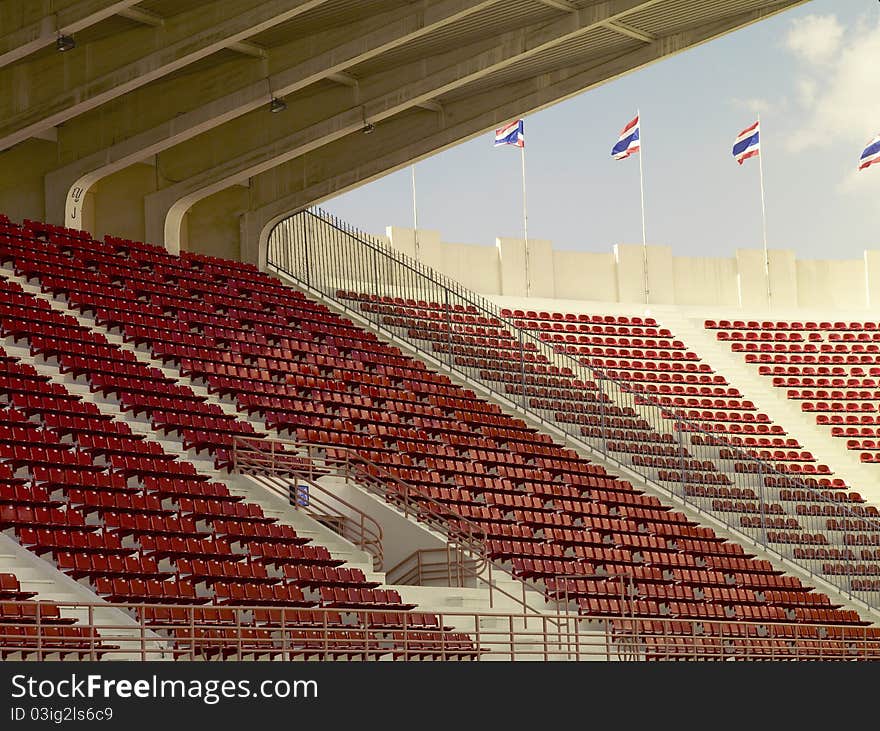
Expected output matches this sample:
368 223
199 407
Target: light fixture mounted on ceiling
276 104
368 126
65 43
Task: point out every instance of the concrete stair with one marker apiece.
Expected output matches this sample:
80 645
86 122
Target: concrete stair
864 479
116 626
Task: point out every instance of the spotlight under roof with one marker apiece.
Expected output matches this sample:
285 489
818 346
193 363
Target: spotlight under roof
65 43
277 105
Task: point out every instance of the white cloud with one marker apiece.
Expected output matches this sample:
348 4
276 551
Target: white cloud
807 90
757 105
860 182
840 100
815 38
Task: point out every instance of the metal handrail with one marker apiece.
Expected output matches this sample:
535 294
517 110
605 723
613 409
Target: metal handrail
251 457
419 567
364 532
301 248
235 632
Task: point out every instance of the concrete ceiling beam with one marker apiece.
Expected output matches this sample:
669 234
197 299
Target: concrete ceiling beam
408 87
48 92
22 42
368 39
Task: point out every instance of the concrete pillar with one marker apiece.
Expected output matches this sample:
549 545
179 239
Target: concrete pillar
512 256
211 226
832 283
705 281
872 278
581 275
430 249
783 278
21 179
753 279
118 208
630 260
253 238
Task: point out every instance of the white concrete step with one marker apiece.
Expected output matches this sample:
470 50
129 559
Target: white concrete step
864 479
115 625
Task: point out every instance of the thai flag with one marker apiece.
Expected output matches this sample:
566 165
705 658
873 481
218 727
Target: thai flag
628 143
748 143
510 134
871 154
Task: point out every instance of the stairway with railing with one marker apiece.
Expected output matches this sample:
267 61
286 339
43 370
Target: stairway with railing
274 469
467 559
345 268
446 566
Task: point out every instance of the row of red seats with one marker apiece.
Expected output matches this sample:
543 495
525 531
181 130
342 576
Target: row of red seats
785 325
801 468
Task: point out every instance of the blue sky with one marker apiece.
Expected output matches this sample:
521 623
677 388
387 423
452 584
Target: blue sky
812 74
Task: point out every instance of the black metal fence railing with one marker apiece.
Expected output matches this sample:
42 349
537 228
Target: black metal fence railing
798 517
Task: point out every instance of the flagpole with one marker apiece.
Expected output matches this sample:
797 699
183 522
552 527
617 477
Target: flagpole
764 211
522 150
642 186
415 213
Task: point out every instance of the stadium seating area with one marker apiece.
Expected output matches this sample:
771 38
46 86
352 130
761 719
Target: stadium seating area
724 433
112 509
109 506
830 368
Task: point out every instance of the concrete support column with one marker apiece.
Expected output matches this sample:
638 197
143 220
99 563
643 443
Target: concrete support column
430 249
254 229
630 272
21 179
512 267
753 279
872 278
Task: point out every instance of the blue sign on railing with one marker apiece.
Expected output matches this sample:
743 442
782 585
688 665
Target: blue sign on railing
298 495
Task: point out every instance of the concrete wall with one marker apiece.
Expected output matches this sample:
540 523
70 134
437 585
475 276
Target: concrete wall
700 280
582 274
113 205
211 225
619 276
836 283
400 537
21 192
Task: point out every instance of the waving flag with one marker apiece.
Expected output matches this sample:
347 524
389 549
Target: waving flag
510 134
629 142
748 143
871 154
